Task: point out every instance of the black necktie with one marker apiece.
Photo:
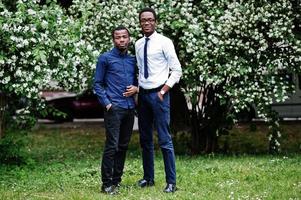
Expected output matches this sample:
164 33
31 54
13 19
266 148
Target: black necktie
145 58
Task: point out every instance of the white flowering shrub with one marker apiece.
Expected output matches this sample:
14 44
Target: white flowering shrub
247 48
243 51
40 49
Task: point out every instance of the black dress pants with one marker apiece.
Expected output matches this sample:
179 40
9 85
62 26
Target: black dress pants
119 126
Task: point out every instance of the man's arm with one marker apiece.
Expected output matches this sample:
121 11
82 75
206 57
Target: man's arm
99 82
132 89
173 64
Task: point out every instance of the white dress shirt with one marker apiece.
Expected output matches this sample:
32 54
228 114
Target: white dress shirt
162 61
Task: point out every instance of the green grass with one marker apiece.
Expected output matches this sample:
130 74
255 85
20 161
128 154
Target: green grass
65 165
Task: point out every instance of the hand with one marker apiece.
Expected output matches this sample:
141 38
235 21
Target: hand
164 89
160 96
108 106
130 90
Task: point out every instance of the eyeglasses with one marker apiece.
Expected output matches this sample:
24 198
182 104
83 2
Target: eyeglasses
150 20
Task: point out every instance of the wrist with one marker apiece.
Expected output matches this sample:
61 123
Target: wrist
108 106
162 92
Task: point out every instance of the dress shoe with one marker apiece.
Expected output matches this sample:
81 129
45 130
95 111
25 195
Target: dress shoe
109 189
117 185
145 183
170 188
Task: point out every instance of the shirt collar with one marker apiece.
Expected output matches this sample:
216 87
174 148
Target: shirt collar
152 35
118 52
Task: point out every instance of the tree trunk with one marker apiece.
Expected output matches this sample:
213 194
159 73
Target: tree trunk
208 120
2 113
195 132
179 113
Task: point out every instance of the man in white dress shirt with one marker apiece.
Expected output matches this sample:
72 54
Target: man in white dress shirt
159 70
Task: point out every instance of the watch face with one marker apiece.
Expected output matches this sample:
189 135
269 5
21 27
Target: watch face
162 92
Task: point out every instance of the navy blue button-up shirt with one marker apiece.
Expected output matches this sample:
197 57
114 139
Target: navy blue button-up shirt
114 72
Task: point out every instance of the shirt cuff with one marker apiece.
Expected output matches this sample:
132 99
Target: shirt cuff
107 102
170 83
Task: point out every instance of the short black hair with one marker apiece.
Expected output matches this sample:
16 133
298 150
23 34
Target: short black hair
118 28
148 10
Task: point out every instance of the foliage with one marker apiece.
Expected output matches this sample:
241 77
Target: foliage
247 48
234 53
66 166
40 50
12 149
243 51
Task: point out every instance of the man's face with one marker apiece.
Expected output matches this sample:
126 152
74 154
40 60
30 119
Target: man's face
147 23
121 39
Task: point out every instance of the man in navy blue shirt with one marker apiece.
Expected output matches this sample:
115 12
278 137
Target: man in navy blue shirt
115 84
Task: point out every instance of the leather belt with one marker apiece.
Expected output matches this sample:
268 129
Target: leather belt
146 91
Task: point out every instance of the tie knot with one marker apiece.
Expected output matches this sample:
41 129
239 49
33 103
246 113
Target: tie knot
146 39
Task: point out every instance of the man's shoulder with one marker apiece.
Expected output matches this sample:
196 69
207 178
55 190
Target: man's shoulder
163 37
131 56
139 41
104 55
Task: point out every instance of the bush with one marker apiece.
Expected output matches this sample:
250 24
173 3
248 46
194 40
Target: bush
12 148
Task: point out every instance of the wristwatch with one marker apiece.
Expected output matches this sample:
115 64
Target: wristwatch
162 92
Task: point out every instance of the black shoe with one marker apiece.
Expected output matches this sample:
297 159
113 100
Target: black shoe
145 183
117 185
170 188
109 189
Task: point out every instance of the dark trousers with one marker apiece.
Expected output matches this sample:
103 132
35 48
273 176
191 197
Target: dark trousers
153 111
119 126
